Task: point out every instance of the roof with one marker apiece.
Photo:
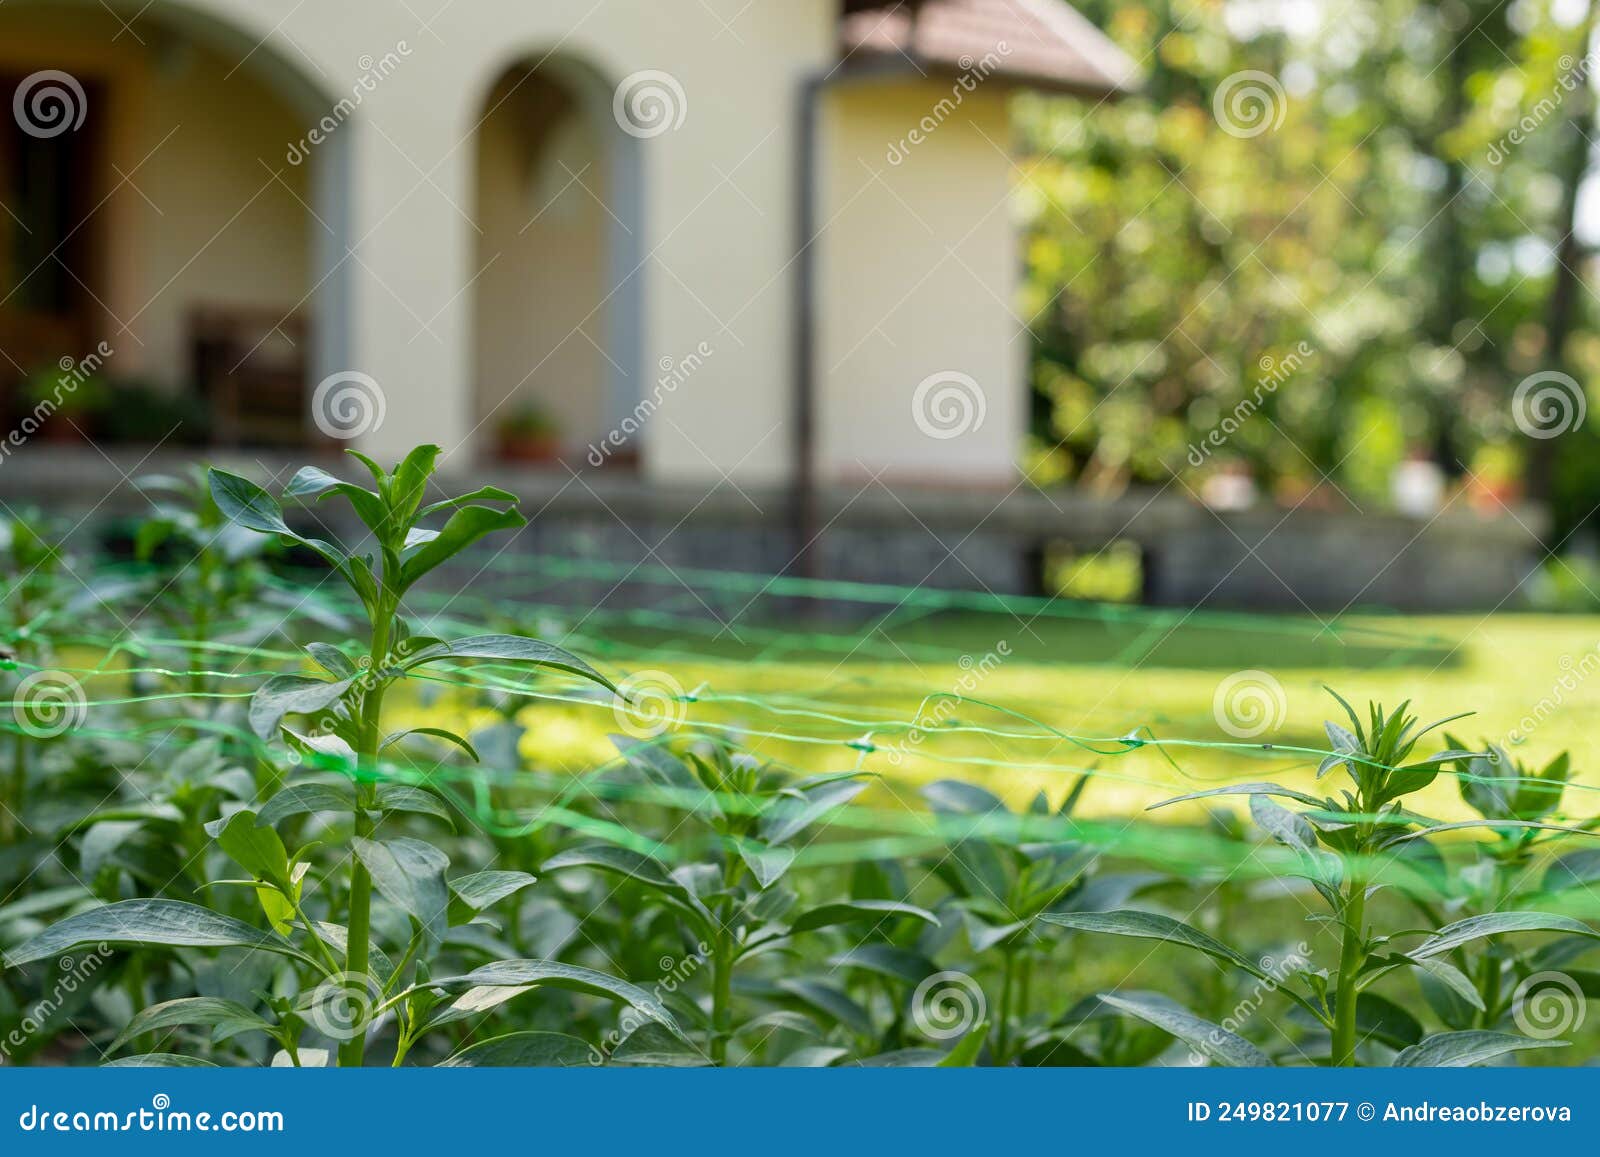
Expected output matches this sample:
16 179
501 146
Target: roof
1039 43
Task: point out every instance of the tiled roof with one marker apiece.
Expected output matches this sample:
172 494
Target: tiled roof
1042 43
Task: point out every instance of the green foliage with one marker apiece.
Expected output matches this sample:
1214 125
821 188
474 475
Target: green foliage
1336 263
305 875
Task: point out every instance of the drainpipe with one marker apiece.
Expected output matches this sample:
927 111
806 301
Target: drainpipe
804 499
804 515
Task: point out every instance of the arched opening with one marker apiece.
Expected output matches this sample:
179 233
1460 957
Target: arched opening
555 314
170 247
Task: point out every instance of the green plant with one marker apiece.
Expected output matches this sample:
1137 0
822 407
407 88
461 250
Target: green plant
344 704
1349 848
734 904
529 421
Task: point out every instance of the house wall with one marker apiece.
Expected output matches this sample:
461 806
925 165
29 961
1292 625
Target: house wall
539 299
191 212
399 264
918 270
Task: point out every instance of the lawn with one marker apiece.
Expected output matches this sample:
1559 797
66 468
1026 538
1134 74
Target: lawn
805 696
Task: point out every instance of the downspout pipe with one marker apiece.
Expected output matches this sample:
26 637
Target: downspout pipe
805 519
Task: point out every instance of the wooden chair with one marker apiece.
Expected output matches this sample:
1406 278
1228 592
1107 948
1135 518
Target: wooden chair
250 365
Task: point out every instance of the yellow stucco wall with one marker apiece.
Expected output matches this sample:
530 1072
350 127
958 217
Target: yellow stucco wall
197 204
918 274
399 183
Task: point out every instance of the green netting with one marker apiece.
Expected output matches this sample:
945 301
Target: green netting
1023 695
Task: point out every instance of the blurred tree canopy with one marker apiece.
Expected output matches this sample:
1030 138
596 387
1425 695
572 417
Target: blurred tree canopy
1335 234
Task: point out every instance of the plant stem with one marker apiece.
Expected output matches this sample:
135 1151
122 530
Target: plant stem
1350 958
352 1053
721 1001
19 785
1002 1039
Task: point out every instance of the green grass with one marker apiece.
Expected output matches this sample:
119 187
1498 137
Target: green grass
803 698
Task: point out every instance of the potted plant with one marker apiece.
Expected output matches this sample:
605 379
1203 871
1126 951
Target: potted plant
529 434
65 403
144 413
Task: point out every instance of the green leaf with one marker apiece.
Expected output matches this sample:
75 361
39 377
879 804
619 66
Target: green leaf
304 798
813 1057
410 875
310 481
620 861
227 1018
1282 824
526 1050
903 1059
965 1054
519 976
1580 869
1453 980
437 733
159 1061
855 911
1241 789
1453 936
245 503
1152 926
168 923
399 797
481 889
465 527
332 660
482 494
291 695
1382 1019
1456 1050
1204 1037
831 1002
651 1044
514 648
255 848
411 482
953 797
900 964
796 811
767 864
